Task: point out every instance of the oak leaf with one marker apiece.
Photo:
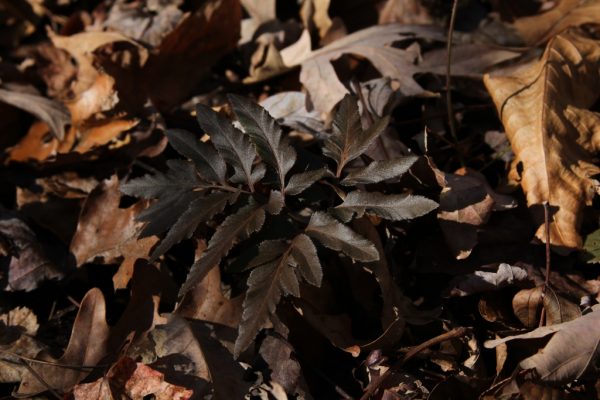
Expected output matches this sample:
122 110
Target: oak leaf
544 109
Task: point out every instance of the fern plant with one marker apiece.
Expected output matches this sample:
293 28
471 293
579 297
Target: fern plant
245 175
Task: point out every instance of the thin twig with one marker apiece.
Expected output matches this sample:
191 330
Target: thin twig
377 382
449 108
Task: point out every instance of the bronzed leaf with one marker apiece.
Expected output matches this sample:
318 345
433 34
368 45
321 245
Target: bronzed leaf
348 139
265 133
275 274
199 210
302 181
209 164
174 190
378 171
337 236
231 143
238 226
395 207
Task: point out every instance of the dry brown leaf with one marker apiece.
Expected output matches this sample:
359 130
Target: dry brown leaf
566 13
404 12
320 79
107 231
81 47
18 328
206 302
466 204
528 305
131 380
544 109
198 42
570 354
483 281
87 346
28 263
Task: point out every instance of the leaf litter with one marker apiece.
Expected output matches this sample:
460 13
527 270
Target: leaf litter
257 199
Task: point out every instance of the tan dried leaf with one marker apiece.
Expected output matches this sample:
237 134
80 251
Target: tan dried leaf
567 13
544 109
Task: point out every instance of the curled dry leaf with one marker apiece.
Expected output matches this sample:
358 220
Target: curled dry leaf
483 281
466 204
325 88
18 328
528 304
106 231
29 263
544 109
565 13
570 354
87 346
131 380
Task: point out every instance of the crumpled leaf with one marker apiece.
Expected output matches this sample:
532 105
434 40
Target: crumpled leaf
276 272
563 359
289 109
50 111
544 109
29 263
483 281
466 204
85 349
333 234
194 353
321 81
207 302
133 381
565 13
348 140
528 304
18 328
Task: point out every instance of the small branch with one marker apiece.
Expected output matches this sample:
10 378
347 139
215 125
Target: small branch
376 383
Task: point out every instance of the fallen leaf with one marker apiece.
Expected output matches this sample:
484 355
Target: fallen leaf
109 232
563 359
404 12
544 109
484 281
85 349
206 301
565 13
18 328
29 264
50 111
528 305
133 381
191 352
466 204
325 88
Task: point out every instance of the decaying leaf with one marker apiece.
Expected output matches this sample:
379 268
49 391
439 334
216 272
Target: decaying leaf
562 359
564 14
18 328
132 380
29 263
50 111
528 303
544 108
483 281
87 346
466 204
319 76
